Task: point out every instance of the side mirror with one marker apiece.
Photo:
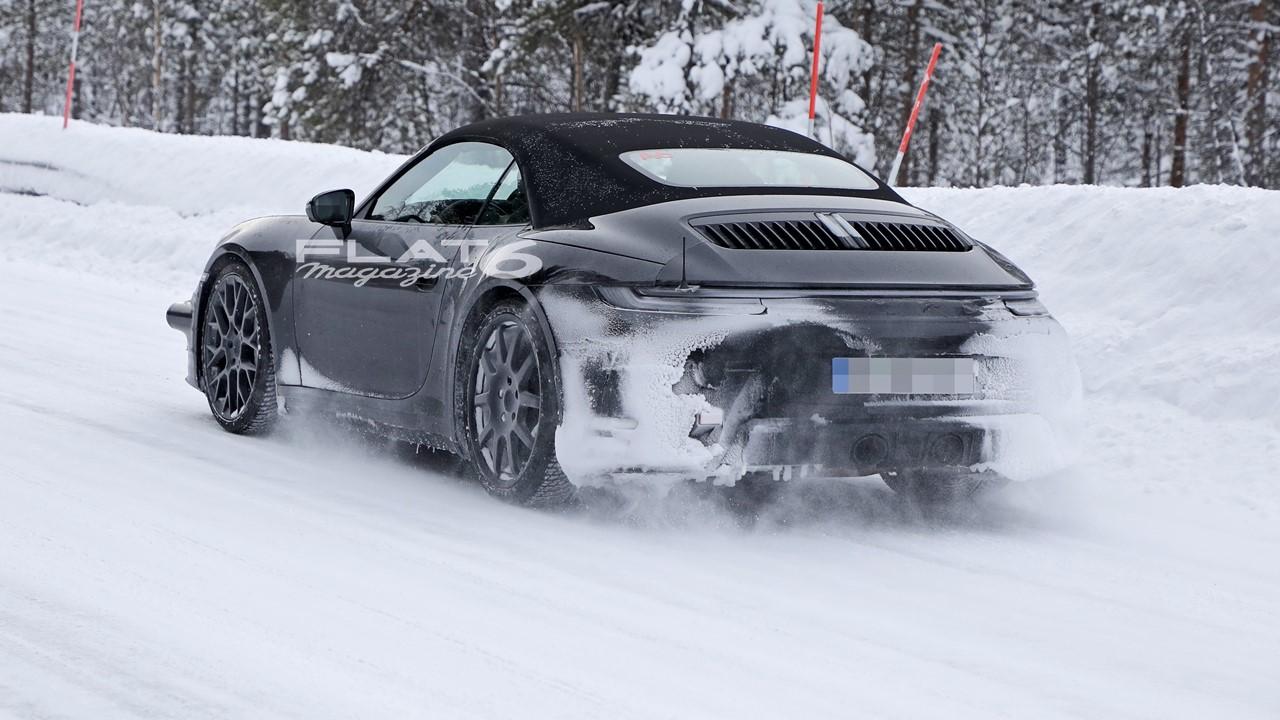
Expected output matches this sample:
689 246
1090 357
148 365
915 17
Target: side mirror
335 207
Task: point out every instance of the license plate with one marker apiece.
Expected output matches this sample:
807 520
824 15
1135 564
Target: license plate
902 376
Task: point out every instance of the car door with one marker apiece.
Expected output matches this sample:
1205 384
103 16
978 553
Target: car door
367 303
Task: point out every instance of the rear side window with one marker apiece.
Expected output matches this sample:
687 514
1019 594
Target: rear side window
447 187
734 167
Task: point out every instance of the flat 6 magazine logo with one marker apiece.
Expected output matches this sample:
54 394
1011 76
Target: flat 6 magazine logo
422 260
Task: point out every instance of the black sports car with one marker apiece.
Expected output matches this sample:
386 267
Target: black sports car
564 299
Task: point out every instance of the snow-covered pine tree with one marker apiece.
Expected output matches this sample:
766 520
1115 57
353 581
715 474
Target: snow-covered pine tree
755 63
32 58
570 54
1137 92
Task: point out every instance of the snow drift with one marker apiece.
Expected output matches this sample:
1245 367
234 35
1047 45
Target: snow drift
1174 314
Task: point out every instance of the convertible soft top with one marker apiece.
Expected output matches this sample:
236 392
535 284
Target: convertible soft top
572 171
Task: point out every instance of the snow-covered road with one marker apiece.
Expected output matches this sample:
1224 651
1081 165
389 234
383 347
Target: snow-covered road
153 566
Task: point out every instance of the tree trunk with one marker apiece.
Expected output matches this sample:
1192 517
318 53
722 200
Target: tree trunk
1092 98
1178 167
983 75
1060 132
576 104
235 101
29 79
910 63
867 30
1146 157
934 127
475 48
157 66
192 59
253 115
1256 92
612 84
1226 159
180 121
76 101
623 34
1025 171
726 100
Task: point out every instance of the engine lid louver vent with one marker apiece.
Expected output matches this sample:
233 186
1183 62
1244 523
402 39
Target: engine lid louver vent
908 236
832 232
773 235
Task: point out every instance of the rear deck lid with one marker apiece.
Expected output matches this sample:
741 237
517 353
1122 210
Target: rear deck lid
836 248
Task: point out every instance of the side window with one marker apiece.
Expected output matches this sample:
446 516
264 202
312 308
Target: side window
509 204
447 187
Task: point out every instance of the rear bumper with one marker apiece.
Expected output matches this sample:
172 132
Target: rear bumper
1019 446
711 397
862 448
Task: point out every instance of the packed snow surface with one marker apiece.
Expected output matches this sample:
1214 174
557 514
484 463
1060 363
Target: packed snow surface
152 566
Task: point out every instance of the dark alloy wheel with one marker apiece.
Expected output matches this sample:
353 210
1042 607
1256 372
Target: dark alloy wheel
506 401
237 370
511 408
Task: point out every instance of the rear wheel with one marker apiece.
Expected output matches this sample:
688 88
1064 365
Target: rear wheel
237 369
940 487
511 408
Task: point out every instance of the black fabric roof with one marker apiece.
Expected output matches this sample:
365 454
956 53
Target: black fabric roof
572 170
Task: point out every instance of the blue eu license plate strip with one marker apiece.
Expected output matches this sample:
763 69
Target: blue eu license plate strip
902 376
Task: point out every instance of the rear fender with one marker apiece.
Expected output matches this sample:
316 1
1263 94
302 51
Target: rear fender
557 266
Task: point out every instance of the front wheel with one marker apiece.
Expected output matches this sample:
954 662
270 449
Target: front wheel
236 367
510 407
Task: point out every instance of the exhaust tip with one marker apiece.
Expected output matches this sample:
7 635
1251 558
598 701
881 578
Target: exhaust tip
870 450
179 315
947 449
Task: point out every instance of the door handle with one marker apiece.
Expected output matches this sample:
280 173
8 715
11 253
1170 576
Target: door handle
422 282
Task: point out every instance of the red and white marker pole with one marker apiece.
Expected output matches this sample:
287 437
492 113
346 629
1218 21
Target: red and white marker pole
813 77
915 113
71 73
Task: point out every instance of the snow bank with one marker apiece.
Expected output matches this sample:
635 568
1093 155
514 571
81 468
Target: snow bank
92 193
1170 298
191 175
1169 294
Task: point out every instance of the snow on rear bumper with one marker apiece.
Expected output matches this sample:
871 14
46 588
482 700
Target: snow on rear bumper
685 396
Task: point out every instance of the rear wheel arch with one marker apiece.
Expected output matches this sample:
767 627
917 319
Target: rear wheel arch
497 292
483 300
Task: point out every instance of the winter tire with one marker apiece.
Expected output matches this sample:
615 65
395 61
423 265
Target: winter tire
237 370
510 407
